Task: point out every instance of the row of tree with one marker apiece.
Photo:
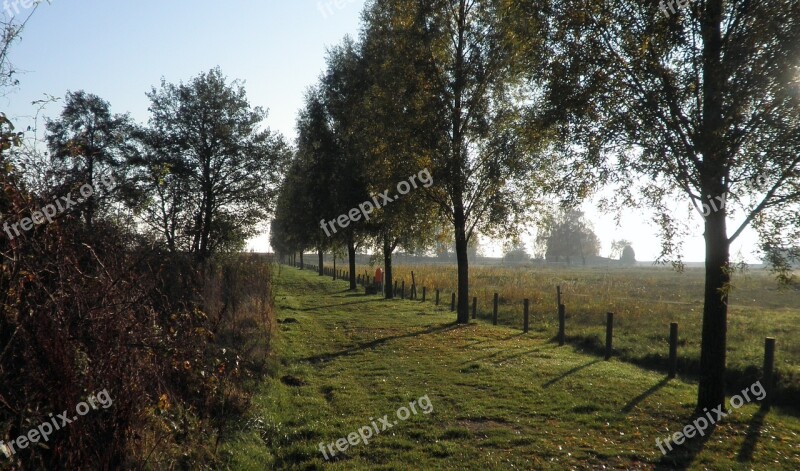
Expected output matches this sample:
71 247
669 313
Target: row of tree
510 101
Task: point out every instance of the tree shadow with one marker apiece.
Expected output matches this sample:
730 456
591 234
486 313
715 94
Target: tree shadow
641 397
752 436
378 342
570 372
681 457
313 308
485 357
516 355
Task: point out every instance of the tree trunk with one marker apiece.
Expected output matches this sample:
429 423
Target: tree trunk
302 266
387 262
205 237
463 266
711 391
321 261
351 257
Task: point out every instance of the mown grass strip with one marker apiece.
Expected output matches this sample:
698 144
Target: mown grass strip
500 399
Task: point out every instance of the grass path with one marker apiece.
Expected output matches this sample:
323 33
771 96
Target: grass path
500 399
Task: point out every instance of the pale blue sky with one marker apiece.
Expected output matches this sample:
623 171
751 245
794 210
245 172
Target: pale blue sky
119 49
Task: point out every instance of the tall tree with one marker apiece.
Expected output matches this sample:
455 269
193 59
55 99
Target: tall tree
91 141
486 173
344 86
290 230
213 140
566 235
398 113
319 154
160 195
701 101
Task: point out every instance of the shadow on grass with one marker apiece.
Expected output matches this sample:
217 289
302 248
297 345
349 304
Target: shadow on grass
314 308
517 355
751 437
379 342
641 397
682 456
485 357
570 372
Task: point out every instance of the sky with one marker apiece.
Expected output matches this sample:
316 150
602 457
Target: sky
120 49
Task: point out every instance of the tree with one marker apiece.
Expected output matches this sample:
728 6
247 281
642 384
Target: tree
289 229
343 87
210 139
91 141
466 66
568 235
517 254
700 103
161 196
623 250
318 152
397 115
628 256
617 246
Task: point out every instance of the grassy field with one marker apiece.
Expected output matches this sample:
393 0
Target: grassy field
644 302
499 399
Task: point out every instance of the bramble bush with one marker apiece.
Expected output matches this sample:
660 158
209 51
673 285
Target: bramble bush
86 309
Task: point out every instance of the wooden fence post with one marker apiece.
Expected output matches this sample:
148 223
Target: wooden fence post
562 320
453 303
609 333
673 349
769 372
437 296
474 307
424 290
403 290
525 317
494 311
558 292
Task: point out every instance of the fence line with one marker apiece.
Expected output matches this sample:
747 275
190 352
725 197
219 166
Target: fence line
768 369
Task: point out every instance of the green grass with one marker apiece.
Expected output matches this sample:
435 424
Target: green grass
501 400
644 301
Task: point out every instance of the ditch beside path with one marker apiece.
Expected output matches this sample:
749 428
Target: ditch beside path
501 399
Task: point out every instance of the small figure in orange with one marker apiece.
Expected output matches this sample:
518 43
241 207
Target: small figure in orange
378 276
